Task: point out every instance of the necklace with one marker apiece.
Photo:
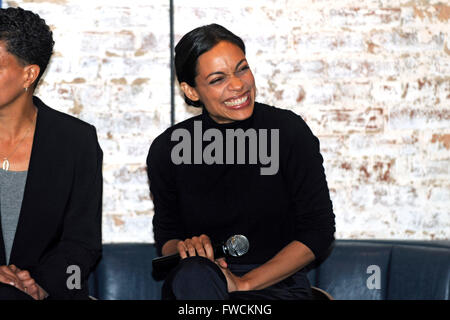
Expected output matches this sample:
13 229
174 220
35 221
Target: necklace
5 164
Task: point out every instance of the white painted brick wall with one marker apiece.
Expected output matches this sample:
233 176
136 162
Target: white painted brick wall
371 78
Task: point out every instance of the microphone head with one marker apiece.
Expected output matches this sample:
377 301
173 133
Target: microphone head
237 245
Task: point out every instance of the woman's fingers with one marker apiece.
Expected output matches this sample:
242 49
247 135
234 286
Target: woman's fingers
13 268
7 271
222 263
9 277
182 249
190 247
194 246
206 242
21 279
6 279
199 246
23 275
28 283
33 291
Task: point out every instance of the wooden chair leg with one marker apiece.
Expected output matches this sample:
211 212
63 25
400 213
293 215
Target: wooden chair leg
320 294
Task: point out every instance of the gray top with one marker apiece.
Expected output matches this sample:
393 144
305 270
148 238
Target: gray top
12 186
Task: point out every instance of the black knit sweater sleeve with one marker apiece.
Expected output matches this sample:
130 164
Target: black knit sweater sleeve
313 212
167 224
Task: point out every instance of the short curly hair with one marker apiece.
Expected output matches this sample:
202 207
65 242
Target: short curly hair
27 37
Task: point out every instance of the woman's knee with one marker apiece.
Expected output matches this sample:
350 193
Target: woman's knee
196 278
197 268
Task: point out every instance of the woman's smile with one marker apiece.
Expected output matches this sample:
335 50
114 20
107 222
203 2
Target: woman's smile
239 102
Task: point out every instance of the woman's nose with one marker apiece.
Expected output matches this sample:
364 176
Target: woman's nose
235 83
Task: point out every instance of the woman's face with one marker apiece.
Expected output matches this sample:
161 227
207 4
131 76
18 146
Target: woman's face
225 83
12 77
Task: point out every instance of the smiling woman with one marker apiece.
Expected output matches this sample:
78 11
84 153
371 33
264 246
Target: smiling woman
224 83
286 214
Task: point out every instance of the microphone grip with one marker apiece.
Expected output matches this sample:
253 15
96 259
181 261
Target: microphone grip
166 263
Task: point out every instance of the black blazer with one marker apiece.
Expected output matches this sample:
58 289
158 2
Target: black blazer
60 219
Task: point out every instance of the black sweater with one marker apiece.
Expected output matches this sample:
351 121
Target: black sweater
221 200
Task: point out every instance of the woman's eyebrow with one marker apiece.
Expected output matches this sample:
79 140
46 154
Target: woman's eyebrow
222 73
239 63
214 73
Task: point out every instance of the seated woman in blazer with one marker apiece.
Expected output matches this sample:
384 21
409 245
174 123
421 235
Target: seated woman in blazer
50 175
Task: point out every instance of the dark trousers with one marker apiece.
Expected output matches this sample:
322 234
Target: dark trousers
198 278
8 292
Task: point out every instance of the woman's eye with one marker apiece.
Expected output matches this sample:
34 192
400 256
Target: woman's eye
244 68
216 80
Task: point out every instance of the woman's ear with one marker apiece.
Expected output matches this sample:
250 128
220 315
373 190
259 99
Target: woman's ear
31 73
189 91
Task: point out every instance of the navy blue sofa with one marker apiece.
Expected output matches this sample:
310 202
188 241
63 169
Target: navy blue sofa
354 270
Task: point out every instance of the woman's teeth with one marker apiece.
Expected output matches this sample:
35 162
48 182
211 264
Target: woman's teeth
236 102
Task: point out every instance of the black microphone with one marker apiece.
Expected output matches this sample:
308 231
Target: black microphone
235 246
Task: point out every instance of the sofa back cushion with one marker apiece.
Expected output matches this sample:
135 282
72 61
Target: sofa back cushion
125 273
419 272
355 270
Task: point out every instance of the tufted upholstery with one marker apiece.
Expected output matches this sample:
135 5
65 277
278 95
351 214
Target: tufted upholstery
407 270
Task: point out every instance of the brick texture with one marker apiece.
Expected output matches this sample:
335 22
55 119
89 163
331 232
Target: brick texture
371 79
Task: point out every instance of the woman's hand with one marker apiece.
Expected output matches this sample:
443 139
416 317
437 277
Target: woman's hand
285 263
28 284
202 246
8 276
194 246
234 283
